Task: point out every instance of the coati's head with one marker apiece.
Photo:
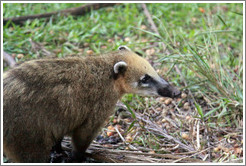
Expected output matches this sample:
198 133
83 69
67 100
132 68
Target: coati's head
133 74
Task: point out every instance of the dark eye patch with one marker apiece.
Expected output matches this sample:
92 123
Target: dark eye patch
145 79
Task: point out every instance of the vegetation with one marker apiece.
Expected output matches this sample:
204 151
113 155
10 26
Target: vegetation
199 48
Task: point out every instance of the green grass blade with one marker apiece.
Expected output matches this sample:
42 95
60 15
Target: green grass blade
241 14
212 111
131 111
216 31
199 110
131 125
221 19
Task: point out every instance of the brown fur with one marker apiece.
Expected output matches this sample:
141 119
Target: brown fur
43 100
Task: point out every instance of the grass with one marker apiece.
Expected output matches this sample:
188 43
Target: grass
204 40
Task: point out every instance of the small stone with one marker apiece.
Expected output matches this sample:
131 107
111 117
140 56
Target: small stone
80 50
186 105
57 51
201 10
188 118
163 120
168 101
86 44
110 40
111 128
183 95
185 136
216 149
115 121
162 99
144 27
151 152
144 40
110 133
89 52
20 56
127 39
194 19
150 51
103 47
159 109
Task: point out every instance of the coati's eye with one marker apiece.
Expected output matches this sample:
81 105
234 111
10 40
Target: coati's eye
145 79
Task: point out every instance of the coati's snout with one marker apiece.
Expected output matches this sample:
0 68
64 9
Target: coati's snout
166 90
157 86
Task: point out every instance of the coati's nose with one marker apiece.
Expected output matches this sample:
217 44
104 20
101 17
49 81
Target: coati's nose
167 90
176 92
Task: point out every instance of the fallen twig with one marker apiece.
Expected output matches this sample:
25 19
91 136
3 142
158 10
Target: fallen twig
150 20
152 24
197 134
36 47
190 156
71 11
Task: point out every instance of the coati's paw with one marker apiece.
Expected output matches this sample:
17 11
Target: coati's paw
57 147
78 157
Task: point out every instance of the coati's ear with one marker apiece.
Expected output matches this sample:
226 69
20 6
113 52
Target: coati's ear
120 67
124 48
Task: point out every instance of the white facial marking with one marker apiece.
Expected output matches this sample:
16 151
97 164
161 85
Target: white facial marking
134 84
118 65
144 85
147 92
142 77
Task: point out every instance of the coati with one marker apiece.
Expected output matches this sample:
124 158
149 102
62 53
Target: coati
46 99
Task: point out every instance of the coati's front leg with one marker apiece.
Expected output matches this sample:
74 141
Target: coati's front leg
58 147
81 140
